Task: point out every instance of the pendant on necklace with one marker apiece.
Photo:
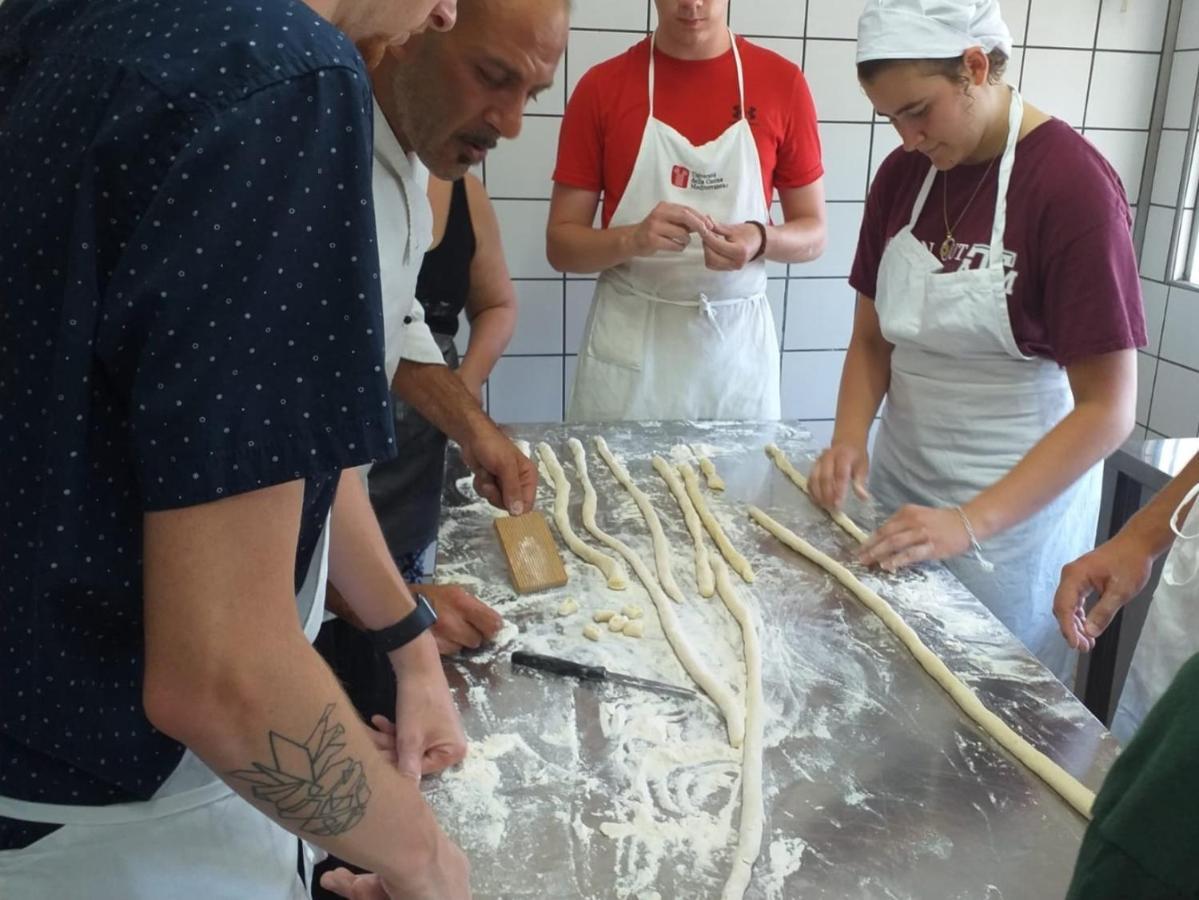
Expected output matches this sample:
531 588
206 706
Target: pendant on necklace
948 248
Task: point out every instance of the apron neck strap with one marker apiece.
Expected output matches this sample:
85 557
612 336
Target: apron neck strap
1177 521
999 221
736 59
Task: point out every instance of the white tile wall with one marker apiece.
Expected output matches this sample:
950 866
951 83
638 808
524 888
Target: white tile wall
1168 177
1182 88
1056 81
1157 243
1122 87
1180 338
1072 24
1132 26
1188 27
1155 294
1109 92
1174 411
1146 370
778 18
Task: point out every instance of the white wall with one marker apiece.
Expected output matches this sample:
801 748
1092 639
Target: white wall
1087 61
1168 395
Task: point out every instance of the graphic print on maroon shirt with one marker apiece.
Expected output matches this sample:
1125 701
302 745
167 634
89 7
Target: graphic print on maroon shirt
1072 282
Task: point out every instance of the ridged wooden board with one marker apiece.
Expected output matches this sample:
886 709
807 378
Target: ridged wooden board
534 563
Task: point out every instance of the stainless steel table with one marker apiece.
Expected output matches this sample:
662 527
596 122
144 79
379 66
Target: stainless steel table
876 785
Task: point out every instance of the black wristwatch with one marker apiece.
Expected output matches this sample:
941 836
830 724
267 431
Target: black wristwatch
407 629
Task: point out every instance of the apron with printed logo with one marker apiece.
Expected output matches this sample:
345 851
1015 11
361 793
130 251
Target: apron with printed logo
666 337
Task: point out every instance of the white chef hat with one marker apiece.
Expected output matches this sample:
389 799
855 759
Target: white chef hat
930 29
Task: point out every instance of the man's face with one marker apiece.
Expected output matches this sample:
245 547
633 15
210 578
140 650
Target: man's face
692 21
455 94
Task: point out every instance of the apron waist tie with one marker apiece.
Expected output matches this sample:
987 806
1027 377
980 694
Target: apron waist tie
706 310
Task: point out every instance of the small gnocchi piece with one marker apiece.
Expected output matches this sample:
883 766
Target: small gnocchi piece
635 628
569 606
617 622
633 611
603 615
591 632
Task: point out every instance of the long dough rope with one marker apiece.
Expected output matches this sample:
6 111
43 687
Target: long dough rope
613 571
847 524
1069 787
730 707
703 565
749 841
739 563
661 545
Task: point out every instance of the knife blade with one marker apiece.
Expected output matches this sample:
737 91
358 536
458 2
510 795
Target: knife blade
558 666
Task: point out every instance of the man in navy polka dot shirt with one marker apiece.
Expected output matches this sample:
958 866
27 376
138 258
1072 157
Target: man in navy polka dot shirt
191 356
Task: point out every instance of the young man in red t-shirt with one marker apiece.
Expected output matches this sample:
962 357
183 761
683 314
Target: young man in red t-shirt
686 136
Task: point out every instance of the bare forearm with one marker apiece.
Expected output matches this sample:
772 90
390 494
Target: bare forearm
1150 527
490 332
361 567
262 722
440 396
800 240
1087 435
582 249
865 379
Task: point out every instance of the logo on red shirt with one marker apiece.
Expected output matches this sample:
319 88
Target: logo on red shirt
680 176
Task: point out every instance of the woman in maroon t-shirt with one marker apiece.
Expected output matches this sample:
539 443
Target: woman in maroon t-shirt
998 311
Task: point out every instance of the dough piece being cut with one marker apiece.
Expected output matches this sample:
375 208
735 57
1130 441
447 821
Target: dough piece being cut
592 631
730 707
703 566
634 629
1070 788
612 569
632 611
603 615
617 622
569 606
715 482
749 841
847 524
661 545
739 563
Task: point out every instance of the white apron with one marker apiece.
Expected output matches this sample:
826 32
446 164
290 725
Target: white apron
667 338
1171 632
195 838
964 406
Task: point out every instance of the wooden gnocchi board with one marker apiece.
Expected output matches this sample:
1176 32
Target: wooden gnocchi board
534 563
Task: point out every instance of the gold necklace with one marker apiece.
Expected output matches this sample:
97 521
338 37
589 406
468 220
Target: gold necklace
949 246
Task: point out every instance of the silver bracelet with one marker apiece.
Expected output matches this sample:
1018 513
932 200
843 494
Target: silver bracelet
976 548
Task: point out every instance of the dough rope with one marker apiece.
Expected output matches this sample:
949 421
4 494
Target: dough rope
739 563
661 545
730 707
752 819
715 482
1070 788
613 571
784 465
704 578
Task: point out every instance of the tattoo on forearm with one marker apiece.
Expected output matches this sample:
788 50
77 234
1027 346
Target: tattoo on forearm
310 784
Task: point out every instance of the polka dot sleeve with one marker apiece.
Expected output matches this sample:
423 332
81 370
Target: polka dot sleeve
244 312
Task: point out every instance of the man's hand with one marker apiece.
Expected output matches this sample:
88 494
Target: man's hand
446 878
463 620
729 248
916 534
1117 571
504 476
429 734
668 228
838 467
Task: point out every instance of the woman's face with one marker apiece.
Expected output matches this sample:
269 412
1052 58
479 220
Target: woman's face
931 113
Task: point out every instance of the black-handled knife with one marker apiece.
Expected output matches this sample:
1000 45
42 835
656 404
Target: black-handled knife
557 666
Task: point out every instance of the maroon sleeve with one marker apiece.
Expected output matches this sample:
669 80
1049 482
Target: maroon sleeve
1090 285
799 160
581 140
872 237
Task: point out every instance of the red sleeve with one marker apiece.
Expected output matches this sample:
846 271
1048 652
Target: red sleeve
581 138
799 161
